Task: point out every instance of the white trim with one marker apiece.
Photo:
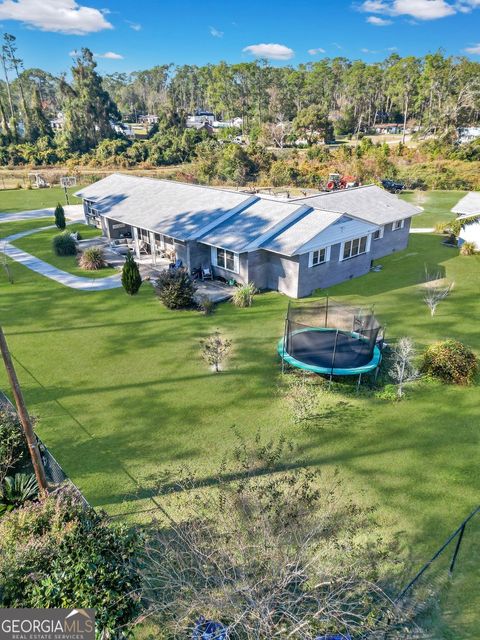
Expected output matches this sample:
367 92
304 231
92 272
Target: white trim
327 256
381 231
401 224
367 247
236 259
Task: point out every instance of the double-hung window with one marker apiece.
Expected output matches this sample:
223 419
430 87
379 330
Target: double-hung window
398 224
376 235
319 256
353 248
226 259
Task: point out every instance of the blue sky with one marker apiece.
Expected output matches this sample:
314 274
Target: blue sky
128 35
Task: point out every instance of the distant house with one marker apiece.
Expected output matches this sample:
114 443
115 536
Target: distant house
148 118
467 211
201 116
200 126
468 134
294 246
58 123
388 128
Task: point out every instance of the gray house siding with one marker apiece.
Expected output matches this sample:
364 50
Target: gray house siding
392 241
332 272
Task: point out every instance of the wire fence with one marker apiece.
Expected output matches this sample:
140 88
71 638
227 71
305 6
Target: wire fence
56 476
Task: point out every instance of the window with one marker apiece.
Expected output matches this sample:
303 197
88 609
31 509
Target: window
226 259
376 235
398 224
319 256
353 248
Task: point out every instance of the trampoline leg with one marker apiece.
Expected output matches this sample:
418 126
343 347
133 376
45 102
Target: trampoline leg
376 374
359 381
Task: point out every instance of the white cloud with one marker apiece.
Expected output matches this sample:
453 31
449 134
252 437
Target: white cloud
134 25
270 51
475 49
314 52
109 55
215 32
368 51
378 22
60 16
419 9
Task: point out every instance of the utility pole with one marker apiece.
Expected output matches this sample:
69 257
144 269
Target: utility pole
24 417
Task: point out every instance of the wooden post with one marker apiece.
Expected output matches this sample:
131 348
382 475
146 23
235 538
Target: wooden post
24 417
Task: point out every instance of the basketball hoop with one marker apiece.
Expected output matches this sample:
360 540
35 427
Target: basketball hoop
68 181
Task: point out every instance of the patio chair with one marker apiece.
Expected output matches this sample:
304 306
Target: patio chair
175 265
142 247
207 273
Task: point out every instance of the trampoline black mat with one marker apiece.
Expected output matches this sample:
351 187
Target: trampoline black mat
317 348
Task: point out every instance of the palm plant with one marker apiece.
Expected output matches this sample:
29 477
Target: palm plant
17 490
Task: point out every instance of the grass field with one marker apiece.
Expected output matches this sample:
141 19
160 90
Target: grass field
437 204
13 200
123 398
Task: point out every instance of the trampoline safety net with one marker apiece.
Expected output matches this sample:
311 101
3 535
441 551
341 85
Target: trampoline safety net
331 336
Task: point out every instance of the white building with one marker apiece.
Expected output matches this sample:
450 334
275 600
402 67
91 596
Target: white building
467 211
468 134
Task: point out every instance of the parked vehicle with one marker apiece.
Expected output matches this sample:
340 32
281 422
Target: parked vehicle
392 186
336 181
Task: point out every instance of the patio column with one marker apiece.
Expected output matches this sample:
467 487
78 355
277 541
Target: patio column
153 250
135 238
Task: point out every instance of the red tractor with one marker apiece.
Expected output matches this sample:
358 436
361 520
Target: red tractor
336 182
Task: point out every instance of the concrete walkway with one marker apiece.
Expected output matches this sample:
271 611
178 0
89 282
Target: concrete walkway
72 212
62 277
422 230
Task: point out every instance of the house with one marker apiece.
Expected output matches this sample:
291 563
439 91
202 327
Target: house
293 246
201 116
467 211
468 134
388 128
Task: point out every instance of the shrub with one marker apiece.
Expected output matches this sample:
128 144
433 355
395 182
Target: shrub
13 447
468 249
275 544
56 553
64 244
442 227
206 305
450 361
60 217
302 398
131 278
243 296
92 259
175 289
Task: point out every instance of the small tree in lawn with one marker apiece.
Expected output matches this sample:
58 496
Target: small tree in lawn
215 349
131 278
403 369
436 290
60 221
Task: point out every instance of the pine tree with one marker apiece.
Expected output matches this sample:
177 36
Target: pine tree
60 221
88 108
131 279
39 125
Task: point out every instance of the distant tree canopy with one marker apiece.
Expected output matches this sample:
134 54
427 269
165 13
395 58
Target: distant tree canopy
279 106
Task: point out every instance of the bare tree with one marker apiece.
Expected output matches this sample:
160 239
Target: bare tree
403 368
436 290
215 349
271 555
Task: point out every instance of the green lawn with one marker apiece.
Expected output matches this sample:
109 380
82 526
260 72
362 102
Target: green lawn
9 228
40 245
437 205
123 398
13 200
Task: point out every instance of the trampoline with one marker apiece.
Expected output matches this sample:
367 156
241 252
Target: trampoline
331 339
